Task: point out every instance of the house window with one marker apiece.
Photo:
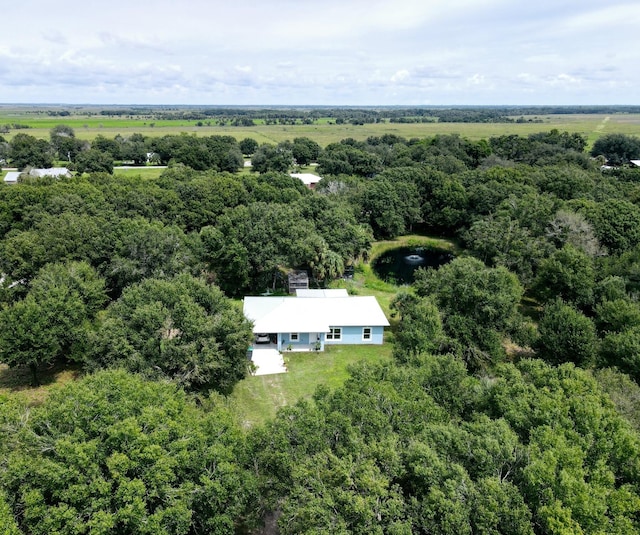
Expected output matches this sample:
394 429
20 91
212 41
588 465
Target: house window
294 337
335 333
366 333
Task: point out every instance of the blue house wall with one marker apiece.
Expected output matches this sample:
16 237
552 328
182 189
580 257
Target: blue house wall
353 335
350 336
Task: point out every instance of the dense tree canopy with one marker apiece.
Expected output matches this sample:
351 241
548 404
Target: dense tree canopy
458 434
135 457
181 328
617 148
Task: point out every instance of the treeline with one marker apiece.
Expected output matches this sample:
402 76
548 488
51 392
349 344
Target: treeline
510 405
239 116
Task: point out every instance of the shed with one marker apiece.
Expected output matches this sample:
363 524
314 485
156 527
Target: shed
297 280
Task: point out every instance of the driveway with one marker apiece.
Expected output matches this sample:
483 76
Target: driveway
267 361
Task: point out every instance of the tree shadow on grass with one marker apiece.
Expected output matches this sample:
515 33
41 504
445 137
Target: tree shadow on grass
18 380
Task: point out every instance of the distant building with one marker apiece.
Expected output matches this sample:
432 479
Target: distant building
55 172
635 163
308 179
12 177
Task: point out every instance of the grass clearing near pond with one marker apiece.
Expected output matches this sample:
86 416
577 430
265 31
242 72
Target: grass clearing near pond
256 399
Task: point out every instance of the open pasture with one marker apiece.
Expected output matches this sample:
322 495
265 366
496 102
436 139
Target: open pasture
88 126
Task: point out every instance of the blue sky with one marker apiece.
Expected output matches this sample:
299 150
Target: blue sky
329 52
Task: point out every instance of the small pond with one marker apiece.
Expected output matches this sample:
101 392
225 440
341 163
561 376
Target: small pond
398 265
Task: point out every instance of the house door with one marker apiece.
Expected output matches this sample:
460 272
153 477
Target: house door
314 340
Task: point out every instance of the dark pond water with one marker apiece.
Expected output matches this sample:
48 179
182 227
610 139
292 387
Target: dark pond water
398 265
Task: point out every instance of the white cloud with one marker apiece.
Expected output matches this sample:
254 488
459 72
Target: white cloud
329 52
400 75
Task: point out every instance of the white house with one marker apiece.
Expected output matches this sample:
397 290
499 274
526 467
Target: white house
310 180
315 318
12 177
55 172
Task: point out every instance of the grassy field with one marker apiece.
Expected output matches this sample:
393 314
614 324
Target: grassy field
88 127
256 399
142 172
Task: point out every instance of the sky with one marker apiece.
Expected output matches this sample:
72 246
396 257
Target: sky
329 52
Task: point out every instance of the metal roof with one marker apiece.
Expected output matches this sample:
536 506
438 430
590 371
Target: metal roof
316 314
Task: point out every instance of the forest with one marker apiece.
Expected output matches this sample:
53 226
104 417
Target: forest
511 403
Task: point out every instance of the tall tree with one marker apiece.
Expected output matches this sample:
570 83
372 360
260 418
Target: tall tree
181 329
52 322
617 148
26 150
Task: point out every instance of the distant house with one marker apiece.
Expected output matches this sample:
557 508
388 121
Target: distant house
316 318
12 177
308 179
55 172
635 163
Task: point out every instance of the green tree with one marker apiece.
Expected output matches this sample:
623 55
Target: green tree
568 274
94 161
181 329
64 142
502 241
566 335
390 207
110 146
305 150
617 148
26 150
272 158
616 223
248 146
478 303
8 524
113 453
53 321
145 250
419 329
622 350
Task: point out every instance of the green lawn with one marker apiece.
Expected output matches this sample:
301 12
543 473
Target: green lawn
142 172
256 399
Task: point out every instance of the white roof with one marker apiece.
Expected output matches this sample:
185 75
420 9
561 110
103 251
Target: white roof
307 178
340 292
52 171
635 162
317 314
11 177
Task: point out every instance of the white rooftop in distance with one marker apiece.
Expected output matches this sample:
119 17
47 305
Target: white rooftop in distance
307 178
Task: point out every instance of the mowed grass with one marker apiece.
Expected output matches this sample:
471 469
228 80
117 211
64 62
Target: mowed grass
256 399
141 172
323 132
